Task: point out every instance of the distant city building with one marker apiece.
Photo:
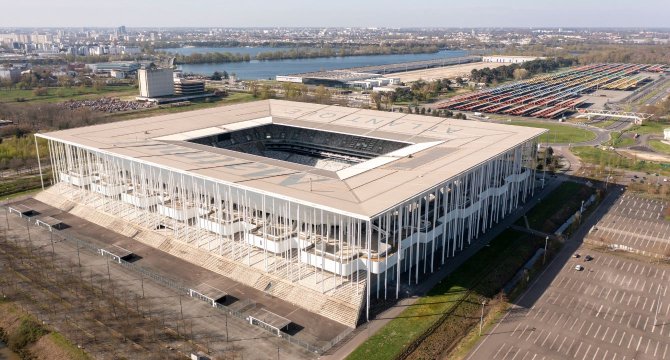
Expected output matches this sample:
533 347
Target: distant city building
155 82
505 59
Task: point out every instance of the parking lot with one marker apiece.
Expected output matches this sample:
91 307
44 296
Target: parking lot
615 308
634 224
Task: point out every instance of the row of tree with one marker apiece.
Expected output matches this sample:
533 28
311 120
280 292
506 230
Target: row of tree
302 53
519 71
306 53
211 58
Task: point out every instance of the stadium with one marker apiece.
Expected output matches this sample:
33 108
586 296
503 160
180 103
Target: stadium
325 207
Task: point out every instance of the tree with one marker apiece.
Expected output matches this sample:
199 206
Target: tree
322 95
254 88
65 81
266 92
216 76
520 74
376 98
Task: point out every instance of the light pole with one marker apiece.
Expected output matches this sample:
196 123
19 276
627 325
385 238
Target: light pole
546 242
481 318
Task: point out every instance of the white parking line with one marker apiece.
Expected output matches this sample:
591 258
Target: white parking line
596 353
545 339
638 344
561 345
614 335
499 350
605 334
577 352
587 352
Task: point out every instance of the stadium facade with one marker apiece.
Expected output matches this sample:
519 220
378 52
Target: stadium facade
342 203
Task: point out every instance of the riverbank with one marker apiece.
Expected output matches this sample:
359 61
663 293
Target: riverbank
255 69
231 55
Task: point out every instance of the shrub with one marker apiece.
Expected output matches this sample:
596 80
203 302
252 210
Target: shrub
40 91
28 332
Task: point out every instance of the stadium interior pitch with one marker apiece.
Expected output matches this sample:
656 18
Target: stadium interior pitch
320 149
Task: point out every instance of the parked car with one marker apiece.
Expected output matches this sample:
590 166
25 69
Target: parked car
588 258
579 267
576 255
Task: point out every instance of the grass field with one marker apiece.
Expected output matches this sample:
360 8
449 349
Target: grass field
649 127
20 185
558 133
659 146
602 124
63 94
598 156
547 217
485 273
619 141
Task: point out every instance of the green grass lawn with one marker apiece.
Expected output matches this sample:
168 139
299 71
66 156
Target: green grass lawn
558 133
619 141
486 272
10 187
598 156
62 94
547 217
649 127
602 124
659 146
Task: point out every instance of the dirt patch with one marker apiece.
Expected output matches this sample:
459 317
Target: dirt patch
649 156
10 318
47 348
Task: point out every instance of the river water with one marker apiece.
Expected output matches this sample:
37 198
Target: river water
6 354
254 69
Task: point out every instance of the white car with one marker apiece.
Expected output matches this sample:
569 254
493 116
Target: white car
579 267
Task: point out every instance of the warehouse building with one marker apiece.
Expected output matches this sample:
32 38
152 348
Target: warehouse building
324 207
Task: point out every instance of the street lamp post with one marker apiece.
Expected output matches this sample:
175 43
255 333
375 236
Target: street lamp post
546 242
481 318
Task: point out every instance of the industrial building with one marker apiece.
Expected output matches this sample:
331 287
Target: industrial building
509 59
155 82
183 87
370 76
325 207
122 66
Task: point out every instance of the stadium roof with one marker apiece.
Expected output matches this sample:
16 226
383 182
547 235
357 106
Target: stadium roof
442 148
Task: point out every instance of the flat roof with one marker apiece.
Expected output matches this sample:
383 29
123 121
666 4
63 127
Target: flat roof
443 148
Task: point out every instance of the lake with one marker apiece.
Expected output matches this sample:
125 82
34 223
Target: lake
254 69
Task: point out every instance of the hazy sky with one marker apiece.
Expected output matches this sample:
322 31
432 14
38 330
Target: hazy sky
319 13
